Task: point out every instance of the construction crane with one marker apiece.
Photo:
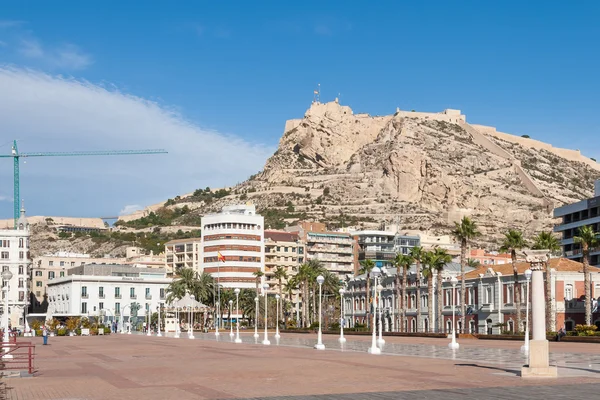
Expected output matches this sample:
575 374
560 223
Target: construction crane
16 156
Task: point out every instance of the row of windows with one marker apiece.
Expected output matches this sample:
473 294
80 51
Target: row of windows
233 236
232 258
62 263
21 269
84 308
5 255
84 292
6 243
232 247
232 225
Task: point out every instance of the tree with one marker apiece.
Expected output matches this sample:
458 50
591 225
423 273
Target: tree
280 274
472 263
428 259
441 258
290 286
588 239
402 261
464 232
365 268
185 283
258 274
543 241
513 241
417 254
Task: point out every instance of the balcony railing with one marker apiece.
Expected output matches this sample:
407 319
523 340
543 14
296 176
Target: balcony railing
148 297
133 296
84 295
117 296
101 296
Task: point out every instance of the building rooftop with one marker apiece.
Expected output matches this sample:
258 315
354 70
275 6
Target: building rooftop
559 264
179 241
281 236
113 270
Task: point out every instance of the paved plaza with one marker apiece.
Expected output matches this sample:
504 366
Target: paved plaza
141 367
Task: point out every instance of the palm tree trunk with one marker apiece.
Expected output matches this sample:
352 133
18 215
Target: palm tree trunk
404 305
398 299
314 305
586 284
463 286
280 314
550 323
439 299
367 302
430 301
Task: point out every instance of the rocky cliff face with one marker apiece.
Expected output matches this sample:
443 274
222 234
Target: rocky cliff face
423 171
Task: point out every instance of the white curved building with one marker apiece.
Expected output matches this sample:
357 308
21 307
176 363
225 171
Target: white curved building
237 232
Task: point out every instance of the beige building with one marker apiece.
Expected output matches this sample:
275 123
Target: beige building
182 253
282 249
335 250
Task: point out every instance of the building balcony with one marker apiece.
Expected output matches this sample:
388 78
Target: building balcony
326 239
101 296
117 296
487 307
148 297
84 295
133 297
330 249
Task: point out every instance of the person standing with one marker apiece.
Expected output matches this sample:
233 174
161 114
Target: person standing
45 335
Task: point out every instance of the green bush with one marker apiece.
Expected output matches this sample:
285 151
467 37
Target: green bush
38 332
107 331
78 332
61 332
585 330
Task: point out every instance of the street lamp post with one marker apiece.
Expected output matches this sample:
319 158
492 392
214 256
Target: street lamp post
237 313
342 339
266 340
380 341
148 329
256 317
177 324
375 272
6 276
525 347
217 316
231 334
453 345
158 322
191 318
320 345
277 335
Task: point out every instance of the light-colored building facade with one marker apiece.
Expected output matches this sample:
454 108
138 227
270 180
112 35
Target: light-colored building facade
14 257
382 246
237 233
574 216
490 299
55 265
490 258
285 250
183 253
107 291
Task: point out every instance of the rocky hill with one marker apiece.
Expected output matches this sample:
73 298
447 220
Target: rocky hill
419 171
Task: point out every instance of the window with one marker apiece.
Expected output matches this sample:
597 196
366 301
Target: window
117 293
50 274
488 295
21 255
62 274
510 294
21 282
21 243
568 292
101 306
38 283
84 291
62 263
38 273
4 255
51 263
117 308
84 308
21 270
148 293
101 293
21 296
72 263
162 293
132 292
5 243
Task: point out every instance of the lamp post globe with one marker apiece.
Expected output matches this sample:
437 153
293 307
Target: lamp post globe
453 344
525 347
342 339
320 345
375 272
256 317
266 341
380 341
6 276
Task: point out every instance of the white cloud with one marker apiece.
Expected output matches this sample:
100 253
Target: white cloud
130 208
10 24
5 198
49 113
67 56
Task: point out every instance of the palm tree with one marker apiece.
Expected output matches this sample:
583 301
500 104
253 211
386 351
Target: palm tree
464 232
513 241
302 278
417 254
441 259
472 263
546 240
185 283
290 286
365 268
204 288
258 274
588 239
280 274
428 259
402 261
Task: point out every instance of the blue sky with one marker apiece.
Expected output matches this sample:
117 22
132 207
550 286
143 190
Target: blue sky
236 70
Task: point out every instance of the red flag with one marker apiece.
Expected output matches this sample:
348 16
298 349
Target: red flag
220 256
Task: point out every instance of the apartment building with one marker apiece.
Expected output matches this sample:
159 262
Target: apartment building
237 233
14 257
107 291
382 246
574 216
55 265
282 249
490 258
335 250
490 298
183 253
